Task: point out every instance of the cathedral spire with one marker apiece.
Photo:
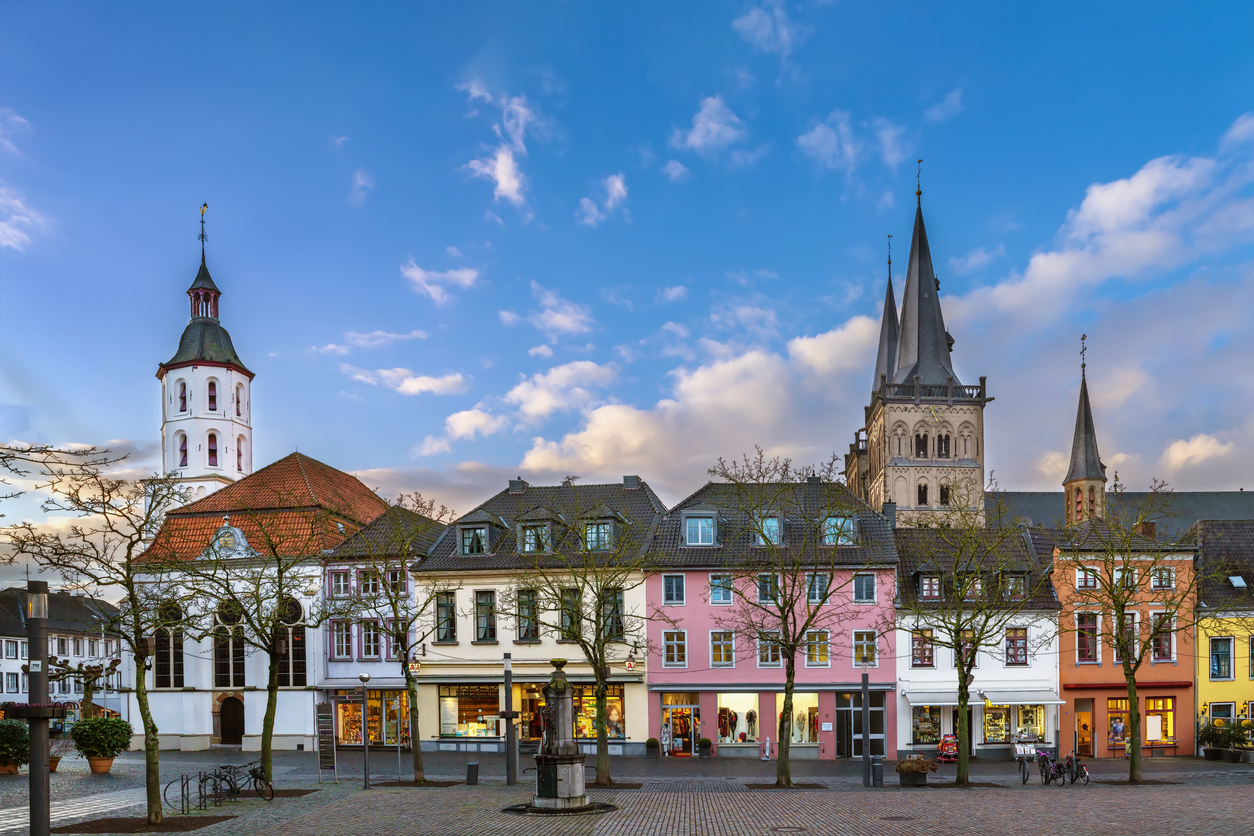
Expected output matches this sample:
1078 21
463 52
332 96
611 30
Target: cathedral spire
923 345
1085 485
886 357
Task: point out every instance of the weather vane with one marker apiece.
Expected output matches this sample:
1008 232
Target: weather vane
1083 348
202 237
890 256
918 180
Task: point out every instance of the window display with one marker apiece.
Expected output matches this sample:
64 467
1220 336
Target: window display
1031 723
997 724
805 717
469 710
737 718
387 716
1160 715
1117 711
926 725
585 705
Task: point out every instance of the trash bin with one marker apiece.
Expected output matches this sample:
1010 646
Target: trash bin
472 773
877 770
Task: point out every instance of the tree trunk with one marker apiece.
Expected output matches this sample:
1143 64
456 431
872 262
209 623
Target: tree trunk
415 740
89 691
964 732
1133 739
783 767
152 744
267 725
603 743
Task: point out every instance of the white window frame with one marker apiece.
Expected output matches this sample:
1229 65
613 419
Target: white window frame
668 642
775 584
542 538
1097 637
1119 573
1171 635
1082 572
840 535
11 682
724 588
10 649
875 588
347 583
731 643
826 597
761 528
875 647
1136 629
378 638
711 519
336 655
778 662
1171 576
93 648
1232 658
824 641
682 601
598 543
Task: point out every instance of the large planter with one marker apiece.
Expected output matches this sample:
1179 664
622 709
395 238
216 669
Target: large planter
100 766
22 711
53 760
1232 755
8 768
1213 754
913 779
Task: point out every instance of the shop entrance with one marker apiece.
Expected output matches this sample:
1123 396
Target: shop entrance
1084 727
681 724
970 730
849 724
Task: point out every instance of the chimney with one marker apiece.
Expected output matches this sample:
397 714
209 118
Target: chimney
1147 529
517 485
889 510
631 483
818 480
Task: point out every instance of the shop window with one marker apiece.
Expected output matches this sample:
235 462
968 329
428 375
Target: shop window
722 649
387 718
720 589
613 616
738 718
673 590
817 586
469 710
675 648
1161 646
817 651
1031 723
485 616
585 709
572 615
1160 719
864 588
849 723
1117 716
445 617
1086 637
925 725
865 649
922 650
699 531
805 716
839 531
996 724
528 616
1221 658
1017 646
768 649
474 540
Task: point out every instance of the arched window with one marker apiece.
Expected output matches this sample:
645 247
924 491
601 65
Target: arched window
920 446
239 454
182 396
922 497
942 446
289 644
213 449
228 646
239 399
168 668
1092 503
182 441
213 396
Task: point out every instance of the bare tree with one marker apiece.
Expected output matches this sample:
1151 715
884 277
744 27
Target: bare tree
961 587
394 590
1148 586
102 553
791 532
86 675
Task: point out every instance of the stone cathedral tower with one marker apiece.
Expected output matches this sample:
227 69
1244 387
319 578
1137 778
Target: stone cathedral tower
922 447
206 421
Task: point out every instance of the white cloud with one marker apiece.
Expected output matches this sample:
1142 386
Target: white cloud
674 293
890 139
432 282
337 142
359 375
977 259
375 339
330 348
714 128
746 158
676 171
560 388
541 350
362 185
947 109
1199 448
509 317
408 383
767 28
831 143
843 349
10 125
518 117
501 168
590 214
1241 132
467 423
753 318
17 220
453 251
433 445
558 317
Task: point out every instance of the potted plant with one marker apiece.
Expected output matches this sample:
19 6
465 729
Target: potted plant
913 770
58 748
14 746
100 740
1210 738
651 747
705 743
1235 734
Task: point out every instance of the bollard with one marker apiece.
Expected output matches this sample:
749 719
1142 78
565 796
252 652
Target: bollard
877 770
472 773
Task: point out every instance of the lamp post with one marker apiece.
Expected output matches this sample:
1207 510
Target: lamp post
866 720
365 737
37 640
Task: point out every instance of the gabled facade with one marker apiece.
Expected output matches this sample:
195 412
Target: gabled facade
1225 638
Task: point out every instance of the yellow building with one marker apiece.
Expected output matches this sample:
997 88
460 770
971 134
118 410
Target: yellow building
1225 630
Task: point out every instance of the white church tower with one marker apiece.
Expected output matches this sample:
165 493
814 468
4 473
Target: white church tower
206 422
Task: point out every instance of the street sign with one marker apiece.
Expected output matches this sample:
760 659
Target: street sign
415 667
36 666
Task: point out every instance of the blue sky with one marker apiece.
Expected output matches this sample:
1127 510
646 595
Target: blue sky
467 241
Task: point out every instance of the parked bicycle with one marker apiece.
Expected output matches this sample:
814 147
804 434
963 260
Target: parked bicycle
237 779
225 782
1076 769
1051 768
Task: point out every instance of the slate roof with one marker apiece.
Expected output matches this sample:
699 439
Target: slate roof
395 525
203 280
1225 549
922 551
734 527
299 503
1097 535
640 507
923 344
886 355
1085 461
67 613
1045 508
204 340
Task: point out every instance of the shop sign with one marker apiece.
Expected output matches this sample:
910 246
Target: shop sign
630 665
415 667
827 727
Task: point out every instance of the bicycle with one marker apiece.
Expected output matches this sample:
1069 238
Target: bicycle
230 781
1042 763
1076 769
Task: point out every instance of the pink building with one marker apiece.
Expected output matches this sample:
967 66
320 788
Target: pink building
714 672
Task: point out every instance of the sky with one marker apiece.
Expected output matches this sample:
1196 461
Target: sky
458 243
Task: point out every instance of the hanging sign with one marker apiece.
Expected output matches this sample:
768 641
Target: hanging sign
415 667
630 665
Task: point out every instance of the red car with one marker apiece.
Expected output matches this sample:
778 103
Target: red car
947 749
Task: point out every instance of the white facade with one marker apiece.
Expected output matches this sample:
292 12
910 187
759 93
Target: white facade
1017 702
206 426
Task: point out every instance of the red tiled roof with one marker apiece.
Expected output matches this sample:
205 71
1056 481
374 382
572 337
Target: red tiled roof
283 533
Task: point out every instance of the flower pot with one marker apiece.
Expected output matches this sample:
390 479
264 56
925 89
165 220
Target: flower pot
100 766
705 753
1232 755
1247 756
1213 754
913 779
651 752
53 760
8 768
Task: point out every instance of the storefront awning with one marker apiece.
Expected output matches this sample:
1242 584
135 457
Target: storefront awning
1042 697
932 697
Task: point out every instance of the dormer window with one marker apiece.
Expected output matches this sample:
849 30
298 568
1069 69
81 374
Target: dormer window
213 449
699 531
535 538
213 396
597 536
929 588
182 396
768 532
839 531
1016 587
475 540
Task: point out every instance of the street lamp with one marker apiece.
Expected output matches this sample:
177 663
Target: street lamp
37 639
365 738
